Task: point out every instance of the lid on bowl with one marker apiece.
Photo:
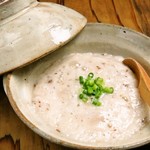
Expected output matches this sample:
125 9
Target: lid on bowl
34 31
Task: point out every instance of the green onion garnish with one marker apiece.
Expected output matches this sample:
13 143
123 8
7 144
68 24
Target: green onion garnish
93 89
96 102
83 97
90 75
81 79
109 90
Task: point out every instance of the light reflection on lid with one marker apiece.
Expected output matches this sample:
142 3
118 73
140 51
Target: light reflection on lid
60 34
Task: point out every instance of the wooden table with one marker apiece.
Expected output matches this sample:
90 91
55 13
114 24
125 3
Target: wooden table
135 14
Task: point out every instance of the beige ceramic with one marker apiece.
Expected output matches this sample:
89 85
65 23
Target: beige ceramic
94 38
29 30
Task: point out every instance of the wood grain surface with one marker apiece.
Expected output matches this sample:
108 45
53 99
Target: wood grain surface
135 14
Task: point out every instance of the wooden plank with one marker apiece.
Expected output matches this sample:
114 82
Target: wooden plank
54 1
104 11
126 14
7 143
83 7
141 9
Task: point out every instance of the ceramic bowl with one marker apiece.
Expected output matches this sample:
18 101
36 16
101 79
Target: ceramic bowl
31 30
99 38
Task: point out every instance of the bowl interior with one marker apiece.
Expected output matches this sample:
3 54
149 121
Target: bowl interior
96 38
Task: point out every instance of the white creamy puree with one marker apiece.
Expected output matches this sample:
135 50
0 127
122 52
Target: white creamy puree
55 99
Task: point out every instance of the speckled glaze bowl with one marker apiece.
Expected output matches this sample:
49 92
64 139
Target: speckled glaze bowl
100 38
30 30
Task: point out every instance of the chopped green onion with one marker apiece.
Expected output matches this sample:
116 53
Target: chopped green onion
95 87
92 89
85 99
81 96
81 79
109 90
91 82
91 75
99 81
85 91
96 102
98 94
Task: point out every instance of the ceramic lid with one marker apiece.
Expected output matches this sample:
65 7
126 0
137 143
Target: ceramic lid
33 30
